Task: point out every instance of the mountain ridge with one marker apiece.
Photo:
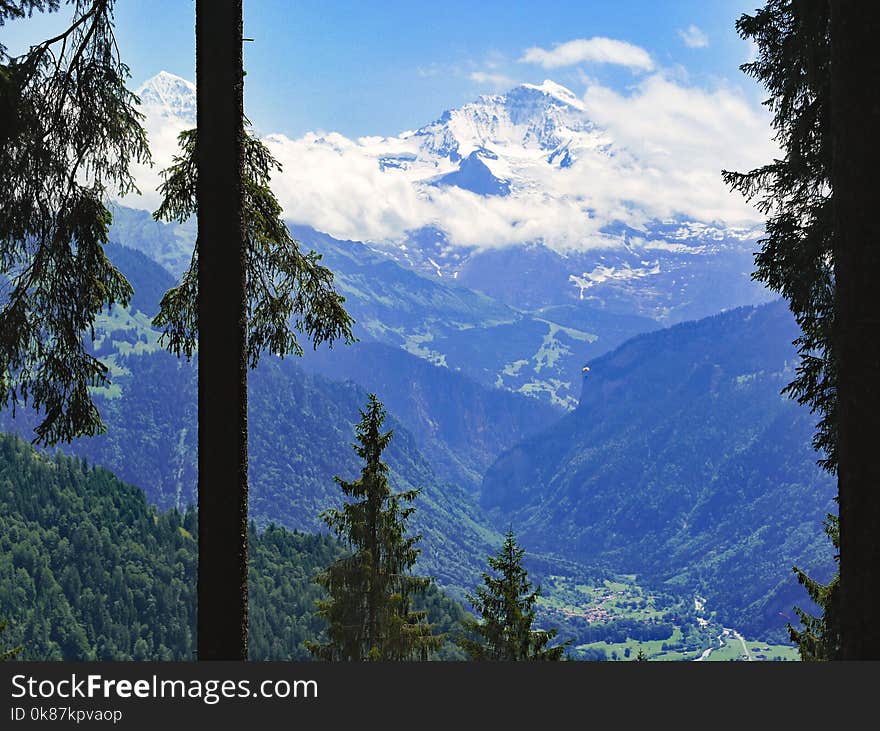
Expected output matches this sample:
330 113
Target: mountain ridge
538 140
684 464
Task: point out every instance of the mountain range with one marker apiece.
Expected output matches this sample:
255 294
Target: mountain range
551 358
682 462
685 464
502 205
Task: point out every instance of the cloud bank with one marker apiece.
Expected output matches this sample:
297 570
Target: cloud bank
652 152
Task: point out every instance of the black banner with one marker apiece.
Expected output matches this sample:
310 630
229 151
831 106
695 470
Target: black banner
173 695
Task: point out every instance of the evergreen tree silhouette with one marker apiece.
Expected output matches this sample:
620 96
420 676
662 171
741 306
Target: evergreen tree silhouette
506 606
368 611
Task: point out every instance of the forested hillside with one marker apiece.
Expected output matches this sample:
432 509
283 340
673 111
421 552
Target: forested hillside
684 464
457 423
88 571
301 429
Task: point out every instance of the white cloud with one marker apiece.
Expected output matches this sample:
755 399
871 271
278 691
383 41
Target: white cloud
659 154
496 80
162 133
335 185
679 138
595 50
656 151
694 37
753 52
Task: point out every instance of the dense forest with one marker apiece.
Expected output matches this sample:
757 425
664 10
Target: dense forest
89 571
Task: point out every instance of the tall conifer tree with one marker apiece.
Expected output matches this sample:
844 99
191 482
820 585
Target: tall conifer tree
68 131
248 288
506 605
368 611
222 324
820 253
287 291
797 256
818 638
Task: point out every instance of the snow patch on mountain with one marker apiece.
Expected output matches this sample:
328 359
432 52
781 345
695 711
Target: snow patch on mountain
557 91
602 274
527 166
170 97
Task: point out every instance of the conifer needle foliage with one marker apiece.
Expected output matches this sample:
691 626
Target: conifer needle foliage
284 285
69 130
818 638
797 255
506 605
11 653
368 611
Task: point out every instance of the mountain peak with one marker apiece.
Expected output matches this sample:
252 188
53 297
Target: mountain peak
167 76
165 82
542 117
557 91
168 95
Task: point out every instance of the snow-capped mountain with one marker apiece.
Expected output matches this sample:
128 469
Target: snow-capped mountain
520 196
527 166
541 119
168 97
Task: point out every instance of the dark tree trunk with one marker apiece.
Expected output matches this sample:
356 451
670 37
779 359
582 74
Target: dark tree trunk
855 128
222 574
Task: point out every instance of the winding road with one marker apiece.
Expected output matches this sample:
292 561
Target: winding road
742 640
726 632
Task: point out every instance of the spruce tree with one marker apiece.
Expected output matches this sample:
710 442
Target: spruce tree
280 290
798 250
368 611
820 253
818 638
288 291
796 258
222 325
506 605
69 130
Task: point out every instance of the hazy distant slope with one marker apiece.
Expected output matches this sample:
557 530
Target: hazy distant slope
683 462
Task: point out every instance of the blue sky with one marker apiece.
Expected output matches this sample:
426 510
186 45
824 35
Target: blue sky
382 67
660 80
